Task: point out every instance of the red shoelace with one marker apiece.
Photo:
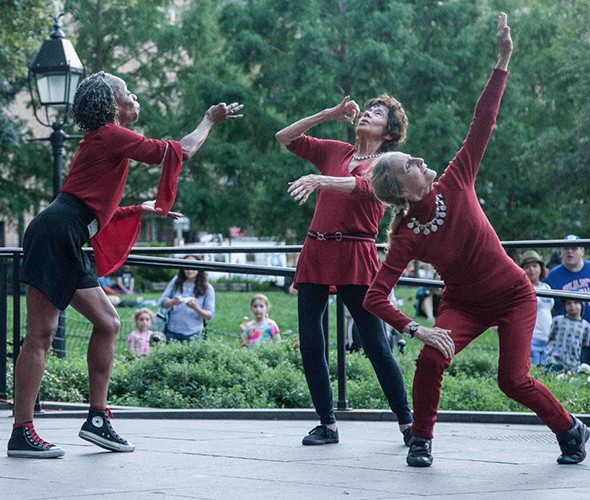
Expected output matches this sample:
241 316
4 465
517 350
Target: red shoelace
30 430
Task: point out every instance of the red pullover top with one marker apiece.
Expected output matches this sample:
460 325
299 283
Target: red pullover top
334 262
465 250
97 177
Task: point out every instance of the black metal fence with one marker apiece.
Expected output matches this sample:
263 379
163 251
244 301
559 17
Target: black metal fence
10 290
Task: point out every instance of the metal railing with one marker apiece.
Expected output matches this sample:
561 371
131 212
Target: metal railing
144 256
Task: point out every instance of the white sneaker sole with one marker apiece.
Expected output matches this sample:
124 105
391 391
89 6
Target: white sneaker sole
107 444
54 453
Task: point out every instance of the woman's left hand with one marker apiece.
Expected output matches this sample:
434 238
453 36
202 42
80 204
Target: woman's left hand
304 186
149 207
222 112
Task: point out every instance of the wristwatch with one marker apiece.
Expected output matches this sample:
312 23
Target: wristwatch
413 328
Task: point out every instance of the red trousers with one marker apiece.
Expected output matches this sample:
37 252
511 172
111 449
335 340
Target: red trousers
515 316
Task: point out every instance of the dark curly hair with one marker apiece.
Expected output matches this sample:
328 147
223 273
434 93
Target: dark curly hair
397 121
94 103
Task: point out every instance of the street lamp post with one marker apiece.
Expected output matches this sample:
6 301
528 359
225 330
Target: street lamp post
54 76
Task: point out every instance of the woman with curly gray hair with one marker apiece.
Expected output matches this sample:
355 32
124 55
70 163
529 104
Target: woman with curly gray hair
56 270
340 250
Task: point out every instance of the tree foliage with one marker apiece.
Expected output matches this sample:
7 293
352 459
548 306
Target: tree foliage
285 60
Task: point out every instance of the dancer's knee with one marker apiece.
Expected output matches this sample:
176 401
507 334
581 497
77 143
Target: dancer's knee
512 385
432 359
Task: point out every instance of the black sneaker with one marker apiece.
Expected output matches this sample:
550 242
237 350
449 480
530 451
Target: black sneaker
321 435
420 453
98 430
573 443
26 443
407 432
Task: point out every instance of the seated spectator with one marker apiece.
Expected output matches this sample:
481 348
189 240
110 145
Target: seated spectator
191 300
262 329
106 283
138 340
569 334
125 281
427 301
534 267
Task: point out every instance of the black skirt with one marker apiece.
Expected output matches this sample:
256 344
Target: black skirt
54 262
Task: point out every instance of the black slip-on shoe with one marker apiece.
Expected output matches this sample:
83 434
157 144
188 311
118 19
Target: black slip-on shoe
321 435
573 443
420 452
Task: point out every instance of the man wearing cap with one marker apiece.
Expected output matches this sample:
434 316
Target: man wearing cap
572 275
534 267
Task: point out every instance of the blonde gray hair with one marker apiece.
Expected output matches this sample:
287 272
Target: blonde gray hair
388 189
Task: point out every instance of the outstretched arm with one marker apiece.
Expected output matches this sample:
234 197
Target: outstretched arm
221 112
346 111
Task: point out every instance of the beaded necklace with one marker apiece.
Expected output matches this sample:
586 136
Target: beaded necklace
433 224
366 157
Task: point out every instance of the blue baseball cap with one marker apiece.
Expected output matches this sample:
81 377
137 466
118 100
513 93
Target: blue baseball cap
570 237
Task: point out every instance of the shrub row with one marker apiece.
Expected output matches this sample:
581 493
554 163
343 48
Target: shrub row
215 374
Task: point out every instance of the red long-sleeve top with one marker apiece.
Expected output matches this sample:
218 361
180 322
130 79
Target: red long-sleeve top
97 177
339 262
465 250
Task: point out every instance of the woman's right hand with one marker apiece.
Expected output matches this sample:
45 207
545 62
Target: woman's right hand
346 111
439 338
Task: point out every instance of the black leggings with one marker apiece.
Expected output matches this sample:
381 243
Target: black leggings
312 300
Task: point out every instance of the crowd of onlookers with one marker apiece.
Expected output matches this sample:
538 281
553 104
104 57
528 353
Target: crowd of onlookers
560 343
185 306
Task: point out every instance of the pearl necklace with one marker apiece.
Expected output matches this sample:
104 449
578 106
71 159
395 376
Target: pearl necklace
433 224
366 157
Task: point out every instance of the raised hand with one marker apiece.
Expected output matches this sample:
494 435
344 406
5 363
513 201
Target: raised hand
222 112
346 111
504 41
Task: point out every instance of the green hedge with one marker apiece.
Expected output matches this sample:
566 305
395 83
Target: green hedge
215 374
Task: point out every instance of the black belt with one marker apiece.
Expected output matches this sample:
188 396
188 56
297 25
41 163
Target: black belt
339 236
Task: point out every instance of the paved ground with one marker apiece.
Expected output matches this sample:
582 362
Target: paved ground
258 459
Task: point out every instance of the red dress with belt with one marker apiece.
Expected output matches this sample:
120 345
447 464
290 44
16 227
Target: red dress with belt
334 262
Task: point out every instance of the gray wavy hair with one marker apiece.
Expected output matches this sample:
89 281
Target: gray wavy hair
388 189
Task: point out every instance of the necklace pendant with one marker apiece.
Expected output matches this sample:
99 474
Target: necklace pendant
417 230
426 231
434 228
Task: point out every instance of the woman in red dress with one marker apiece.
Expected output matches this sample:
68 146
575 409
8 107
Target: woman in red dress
56 270
442 223
340 247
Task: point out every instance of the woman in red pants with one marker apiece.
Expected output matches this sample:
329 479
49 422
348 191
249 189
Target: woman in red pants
442 223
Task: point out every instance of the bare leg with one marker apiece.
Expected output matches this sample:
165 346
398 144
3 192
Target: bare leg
95 306
427 308
42 318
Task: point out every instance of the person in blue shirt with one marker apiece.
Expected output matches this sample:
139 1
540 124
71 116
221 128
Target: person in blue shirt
572 275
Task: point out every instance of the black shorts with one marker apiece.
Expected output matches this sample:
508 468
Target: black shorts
54 262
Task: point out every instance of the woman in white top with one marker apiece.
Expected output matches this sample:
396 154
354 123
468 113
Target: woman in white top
535 269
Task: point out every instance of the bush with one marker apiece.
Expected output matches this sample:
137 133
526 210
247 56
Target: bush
216 374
